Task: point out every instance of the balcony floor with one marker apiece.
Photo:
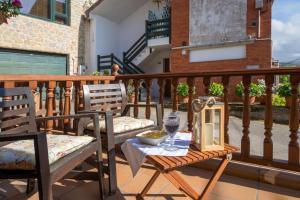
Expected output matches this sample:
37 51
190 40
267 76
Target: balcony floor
228 188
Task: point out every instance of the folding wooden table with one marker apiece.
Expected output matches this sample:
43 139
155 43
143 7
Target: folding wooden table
167 166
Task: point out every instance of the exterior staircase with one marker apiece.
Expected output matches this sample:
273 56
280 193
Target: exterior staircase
139 51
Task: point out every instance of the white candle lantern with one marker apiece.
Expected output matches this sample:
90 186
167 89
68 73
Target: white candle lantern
208 132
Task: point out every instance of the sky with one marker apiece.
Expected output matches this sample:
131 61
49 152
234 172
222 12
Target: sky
286 30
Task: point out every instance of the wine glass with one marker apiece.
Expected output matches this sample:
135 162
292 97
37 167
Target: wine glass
172 122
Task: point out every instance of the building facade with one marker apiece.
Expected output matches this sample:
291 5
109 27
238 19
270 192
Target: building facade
48 37
221 35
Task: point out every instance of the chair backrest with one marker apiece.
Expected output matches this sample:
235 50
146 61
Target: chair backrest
104 97
17 111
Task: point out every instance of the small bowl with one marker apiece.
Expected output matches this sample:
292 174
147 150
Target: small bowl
151 141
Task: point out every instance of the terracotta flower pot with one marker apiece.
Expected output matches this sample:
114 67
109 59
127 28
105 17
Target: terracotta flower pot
252 100
262 99
131 98
183 99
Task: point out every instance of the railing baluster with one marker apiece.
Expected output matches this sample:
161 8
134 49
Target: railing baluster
148 99
61 97
268 143
174 95
61 103
294 122
206 82
40 88
67 105
161 83
225 82
54 100
76 96
81 96
245 144
191 83
33 88
50 98
136 97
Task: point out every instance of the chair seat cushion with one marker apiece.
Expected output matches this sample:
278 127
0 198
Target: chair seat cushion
20 154
123 124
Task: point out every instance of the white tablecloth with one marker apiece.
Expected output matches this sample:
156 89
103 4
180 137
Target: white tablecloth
136 152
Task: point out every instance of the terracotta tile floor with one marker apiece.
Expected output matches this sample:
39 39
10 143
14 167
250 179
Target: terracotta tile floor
228 188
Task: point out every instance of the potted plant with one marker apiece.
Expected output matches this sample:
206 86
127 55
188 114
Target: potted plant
216 90
284 90
262 86
255 91
130 91
8 9
183 92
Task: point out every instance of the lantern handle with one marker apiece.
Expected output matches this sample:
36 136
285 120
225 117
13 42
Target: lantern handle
200 103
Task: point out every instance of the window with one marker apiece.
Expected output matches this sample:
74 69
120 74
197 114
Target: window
54 10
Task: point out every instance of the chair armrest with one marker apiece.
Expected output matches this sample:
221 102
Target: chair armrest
76 116
108 117
142 105
92 112
19 136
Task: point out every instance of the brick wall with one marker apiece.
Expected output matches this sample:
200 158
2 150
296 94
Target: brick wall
259 52
28 33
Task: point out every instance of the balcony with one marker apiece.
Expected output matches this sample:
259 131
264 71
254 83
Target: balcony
267 166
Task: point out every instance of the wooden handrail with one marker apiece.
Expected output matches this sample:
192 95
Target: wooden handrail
257 72
26 78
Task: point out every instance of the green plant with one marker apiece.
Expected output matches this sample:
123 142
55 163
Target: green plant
96 74
256 90
9 8
278 100
284 79
284 90
216 89
106 72
183 90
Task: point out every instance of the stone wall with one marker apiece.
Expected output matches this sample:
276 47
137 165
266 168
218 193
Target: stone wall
29 33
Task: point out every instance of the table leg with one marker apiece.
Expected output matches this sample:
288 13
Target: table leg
148 186
214 179
181 184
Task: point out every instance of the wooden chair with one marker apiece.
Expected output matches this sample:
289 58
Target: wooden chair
19 137
112 98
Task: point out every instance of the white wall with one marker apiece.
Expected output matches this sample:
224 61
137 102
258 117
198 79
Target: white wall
133 27
214 54
155 64
104 39
111 37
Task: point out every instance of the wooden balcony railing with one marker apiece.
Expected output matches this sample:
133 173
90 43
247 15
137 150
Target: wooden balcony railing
60 90
228 79
53 94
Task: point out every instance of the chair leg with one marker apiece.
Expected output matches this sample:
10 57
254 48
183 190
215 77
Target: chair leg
45 188
30 185
100 176
112 171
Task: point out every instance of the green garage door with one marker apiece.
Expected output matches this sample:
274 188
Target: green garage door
19 62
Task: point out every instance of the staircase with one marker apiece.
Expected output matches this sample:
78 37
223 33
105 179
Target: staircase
139 51
107 61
